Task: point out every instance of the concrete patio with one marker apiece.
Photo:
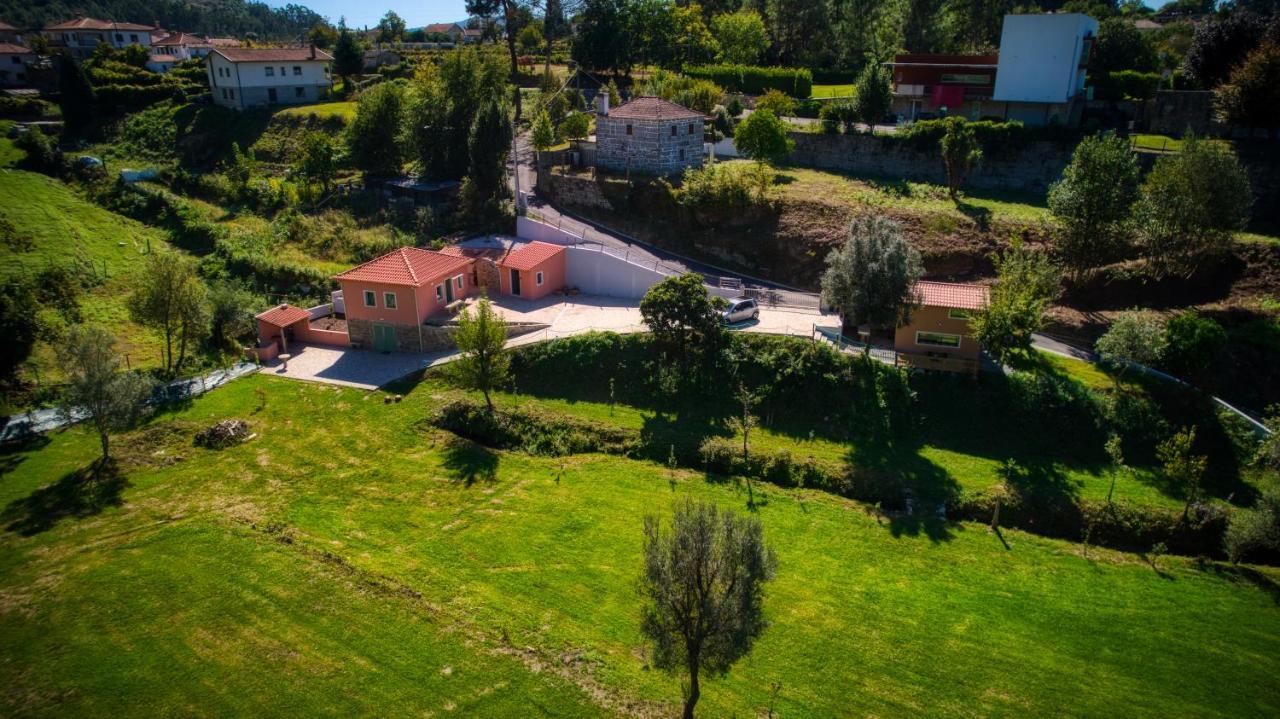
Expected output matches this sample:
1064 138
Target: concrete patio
363 369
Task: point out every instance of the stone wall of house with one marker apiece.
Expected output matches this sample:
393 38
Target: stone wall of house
488 276
650 148
1030 166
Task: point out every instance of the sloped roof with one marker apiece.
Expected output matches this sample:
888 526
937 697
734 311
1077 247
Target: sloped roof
89 23
952 295
8 48
653 108
164 58
6 26
531 255
406 266
271 54
442 27
223 41
283 315
182 39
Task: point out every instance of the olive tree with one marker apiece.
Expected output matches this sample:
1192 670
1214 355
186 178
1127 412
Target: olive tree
703 591
871 278
96 389
1190 207
1135 337
172 300
1092 203
481 338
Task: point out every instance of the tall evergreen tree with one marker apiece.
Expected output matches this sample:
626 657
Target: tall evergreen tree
348 55
485 188
922 26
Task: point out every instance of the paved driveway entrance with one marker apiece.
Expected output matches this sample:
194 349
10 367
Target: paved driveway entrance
349 367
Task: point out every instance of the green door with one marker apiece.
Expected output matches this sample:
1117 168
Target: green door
384 338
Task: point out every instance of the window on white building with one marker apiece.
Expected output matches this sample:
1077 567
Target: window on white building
271 71
297 70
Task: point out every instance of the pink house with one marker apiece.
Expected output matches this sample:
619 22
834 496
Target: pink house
532 271
938 335
388 299
285 324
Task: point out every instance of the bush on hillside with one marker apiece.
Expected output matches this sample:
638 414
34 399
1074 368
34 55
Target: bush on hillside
993 137
752 80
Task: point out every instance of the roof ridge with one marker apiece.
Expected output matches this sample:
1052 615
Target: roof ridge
404 255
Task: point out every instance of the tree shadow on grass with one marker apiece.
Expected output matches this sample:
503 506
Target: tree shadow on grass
469 462
77 494
15 453
1243 574
981 216
912 491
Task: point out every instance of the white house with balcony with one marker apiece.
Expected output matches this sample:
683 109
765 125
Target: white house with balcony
82 35
1040 75
242 78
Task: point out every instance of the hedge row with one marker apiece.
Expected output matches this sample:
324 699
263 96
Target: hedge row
132 96
1126 85
797 82
1120 526
993 136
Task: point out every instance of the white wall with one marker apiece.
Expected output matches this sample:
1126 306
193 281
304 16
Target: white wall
1040 57
530 229
599 273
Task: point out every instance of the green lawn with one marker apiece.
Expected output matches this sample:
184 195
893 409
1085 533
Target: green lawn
66 228
351 560
821 91
324 110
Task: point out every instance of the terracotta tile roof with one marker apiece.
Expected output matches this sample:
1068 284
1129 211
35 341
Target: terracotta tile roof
441 27
271 54
88 23
406 266
223 41
6 26
8 48
488 253
653 108
164 58
283 315
181 39
952 295
531 255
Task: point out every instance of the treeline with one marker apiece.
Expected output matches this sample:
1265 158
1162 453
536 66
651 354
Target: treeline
214 17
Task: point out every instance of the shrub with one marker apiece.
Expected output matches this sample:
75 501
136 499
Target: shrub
532 432
752 80
1251 532
727 186
777 102
830 116
1193 342
1138 421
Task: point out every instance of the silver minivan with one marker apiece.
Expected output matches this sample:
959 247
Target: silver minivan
741 310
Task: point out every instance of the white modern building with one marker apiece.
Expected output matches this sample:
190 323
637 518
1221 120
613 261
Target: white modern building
14 61
241 78
1040 76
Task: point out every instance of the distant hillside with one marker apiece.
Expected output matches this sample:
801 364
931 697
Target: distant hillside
213 17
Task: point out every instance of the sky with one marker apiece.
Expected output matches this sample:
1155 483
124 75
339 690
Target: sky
363 12
416 14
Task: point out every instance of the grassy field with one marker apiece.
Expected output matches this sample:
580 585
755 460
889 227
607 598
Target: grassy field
66 228
344 110
821 91
351 560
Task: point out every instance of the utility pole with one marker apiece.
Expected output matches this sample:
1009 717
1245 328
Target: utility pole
515 164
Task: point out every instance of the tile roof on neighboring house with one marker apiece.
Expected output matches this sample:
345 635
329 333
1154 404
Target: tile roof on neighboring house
283 315
1145 24
441 27
272 54
88 23
531 255
181 39
6 26
8 48
653 108
952 295
164 58
223 41
406 266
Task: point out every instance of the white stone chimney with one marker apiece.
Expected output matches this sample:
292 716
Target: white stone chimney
602 101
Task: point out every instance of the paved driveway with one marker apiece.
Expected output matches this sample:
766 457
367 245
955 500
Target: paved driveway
565 317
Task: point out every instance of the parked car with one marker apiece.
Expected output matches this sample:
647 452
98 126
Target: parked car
741 310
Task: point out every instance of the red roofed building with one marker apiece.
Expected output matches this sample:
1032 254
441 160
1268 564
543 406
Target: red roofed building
938 335
925 84
648 135
82 35
532 271
241 78
14 61
387 299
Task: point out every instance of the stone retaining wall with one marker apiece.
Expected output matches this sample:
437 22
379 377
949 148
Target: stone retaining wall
572 190
1030 167
427 338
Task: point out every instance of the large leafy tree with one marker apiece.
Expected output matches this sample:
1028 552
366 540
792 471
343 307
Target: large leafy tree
375 141
96 389
1026 282
484 363
1190 206
960 152
391 27
922 27
763 137
977 23
348 55
871 278
800 28
742 35
603 39
317 162
485 188
446 99
685 321
703 591
874 96
75 94
1252 95
1092 203
515 15
172 300
1222 43
19 325
1135 337
1121 46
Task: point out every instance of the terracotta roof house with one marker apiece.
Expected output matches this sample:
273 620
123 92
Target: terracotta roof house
389 298
82 35
14 62
532 271
9 33
648 135
285 324
183 46
454 31
938 335
241 78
